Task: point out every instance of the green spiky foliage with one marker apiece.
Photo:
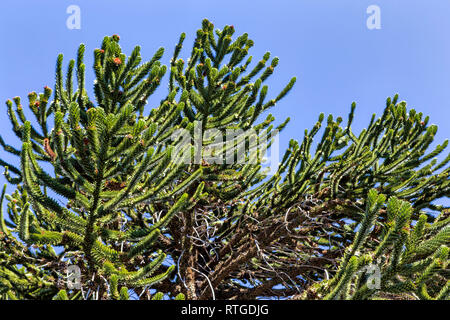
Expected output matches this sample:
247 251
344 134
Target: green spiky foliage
395 261
230 230
108 161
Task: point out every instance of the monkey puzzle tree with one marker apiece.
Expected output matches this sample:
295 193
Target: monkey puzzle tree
143 209
107 163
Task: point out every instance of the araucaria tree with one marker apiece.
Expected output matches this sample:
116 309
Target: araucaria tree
132 202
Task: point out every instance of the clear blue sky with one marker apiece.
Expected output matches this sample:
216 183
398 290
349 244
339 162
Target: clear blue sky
324 43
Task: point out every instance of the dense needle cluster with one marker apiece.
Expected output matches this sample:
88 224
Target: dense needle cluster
118 205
